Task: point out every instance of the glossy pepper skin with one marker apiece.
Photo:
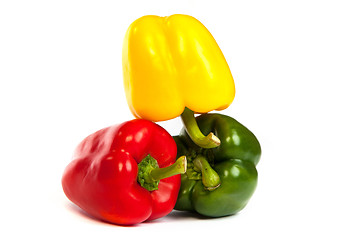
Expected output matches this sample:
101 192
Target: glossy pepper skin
174 62
102 177
234 161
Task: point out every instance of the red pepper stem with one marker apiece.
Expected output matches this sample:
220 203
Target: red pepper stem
193 130
210 178
179 167
149 173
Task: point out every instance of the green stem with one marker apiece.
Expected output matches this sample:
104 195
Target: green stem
179 167
192 129
210 178
149 173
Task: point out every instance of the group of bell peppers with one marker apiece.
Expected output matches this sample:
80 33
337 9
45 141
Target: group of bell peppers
136 171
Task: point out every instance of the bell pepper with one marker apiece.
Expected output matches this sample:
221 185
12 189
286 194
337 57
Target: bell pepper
125 174
173 66
218 181
173 62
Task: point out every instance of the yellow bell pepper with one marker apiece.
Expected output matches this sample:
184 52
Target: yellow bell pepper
170 63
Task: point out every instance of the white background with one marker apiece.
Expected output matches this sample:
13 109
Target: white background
296 66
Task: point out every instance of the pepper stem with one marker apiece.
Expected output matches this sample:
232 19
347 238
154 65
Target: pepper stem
179 167
149 173
192 129
210 178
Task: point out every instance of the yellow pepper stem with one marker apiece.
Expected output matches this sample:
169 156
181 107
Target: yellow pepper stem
192 129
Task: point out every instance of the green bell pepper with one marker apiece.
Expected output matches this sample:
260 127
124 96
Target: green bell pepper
219 181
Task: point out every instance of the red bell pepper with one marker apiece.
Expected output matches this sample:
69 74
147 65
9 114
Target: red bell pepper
114 175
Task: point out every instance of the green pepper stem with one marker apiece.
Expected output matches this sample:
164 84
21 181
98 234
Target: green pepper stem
210 178
192 129
179 167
